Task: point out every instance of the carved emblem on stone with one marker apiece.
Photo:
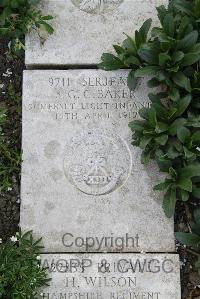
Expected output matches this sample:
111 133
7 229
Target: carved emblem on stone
97 162
97 6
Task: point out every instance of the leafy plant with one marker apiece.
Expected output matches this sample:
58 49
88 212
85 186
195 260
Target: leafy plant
18 17
10 157
192 239
168 130
21 273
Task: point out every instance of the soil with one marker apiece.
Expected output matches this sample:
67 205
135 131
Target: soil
11 71
190 280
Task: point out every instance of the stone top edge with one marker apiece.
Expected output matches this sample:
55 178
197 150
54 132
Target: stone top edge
81 69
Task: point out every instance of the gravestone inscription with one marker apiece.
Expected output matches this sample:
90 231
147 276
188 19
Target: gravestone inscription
83 185
112 276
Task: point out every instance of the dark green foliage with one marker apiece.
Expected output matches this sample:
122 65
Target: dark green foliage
10 157
169 131
18 17
21 273
192 239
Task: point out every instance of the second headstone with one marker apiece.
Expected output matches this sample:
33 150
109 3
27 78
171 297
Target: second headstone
83 185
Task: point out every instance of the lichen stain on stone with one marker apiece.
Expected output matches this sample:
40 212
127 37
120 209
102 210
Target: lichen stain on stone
52 149
29 216
49 206
33 158
81 220
56 174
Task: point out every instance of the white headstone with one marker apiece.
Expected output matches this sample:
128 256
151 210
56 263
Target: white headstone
83 185
84 29
112 276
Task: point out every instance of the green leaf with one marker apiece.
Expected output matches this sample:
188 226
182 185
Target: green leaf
129 44
190 171
188 153
197 265
14 4
197 7
183 134
153 82
173 69
185 184
138 39
145 29
145 157
188 239
163 163
147 70
144 113
161 127
195 49
187 42
110 62
4 31
155 98
174 94
196 137
162 186
163 59
190 59
184 195
182 105
162 140
149 55
183 28
181 80
47 18
161 13
185 6
132 81
169 202
132 60
173 173
177 124
48 28
169 25
172 153
177 56
152 117
119 50
196 192
136 125
197 216
144 141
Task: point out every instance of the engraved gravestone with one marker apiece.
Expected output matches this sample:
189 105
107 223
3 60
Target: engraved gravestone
84 29
84 188
83 185
112 276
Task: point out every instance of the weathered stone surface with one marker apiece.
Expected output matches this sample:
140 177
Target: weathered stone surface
81 178
84 29
112 276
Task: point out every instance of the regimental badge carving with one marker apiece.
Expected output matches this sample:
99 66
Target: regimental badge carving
97 6
97 163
